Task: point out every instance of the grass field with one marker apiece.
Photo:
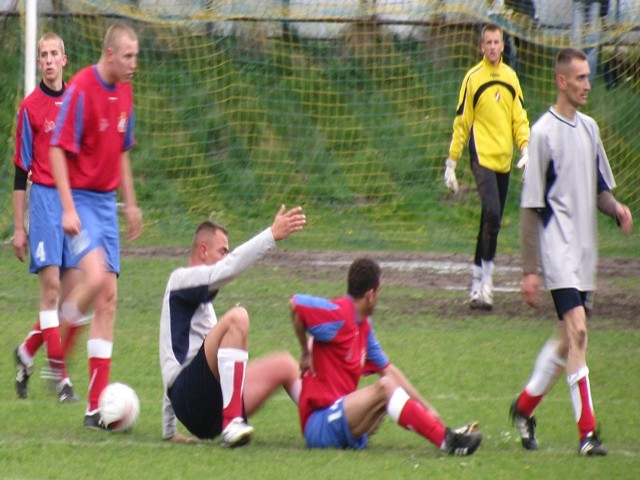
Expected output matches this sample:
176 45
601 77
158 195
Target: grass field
469 366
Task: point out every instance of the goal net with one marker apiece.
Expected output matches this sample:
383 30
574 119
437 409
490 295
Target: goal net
342 106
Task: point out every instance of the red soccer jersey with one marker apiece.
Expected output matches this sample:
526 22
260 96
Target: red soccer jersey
94 127
344 348
36 123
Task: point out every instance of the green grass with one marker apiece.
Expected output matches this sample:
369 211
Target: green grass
468 367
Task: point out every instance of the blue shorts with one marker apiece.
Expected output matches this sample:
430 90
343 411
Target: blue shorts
196 398
47 242
98 214
328 428
566 299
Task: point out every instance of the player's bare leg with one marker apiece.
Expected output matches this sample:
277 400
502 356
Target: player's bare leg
265 375
578 380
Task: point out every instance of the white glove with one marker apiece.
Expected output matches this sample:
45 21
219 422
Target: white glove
524 157
450 179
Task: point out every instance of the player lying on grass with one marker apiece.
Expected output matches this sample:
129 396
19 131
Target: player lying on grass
342 347
208 384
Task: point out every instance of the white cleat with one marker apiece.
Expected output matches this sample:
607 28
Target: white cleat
237 433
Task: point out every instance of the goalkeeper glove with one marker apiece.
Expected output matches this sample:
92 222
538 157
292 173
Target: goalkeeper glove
524 157
450 179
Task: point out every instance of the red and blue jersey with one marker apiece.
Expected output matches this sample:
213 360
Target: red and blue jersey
36 122
344 348
94 127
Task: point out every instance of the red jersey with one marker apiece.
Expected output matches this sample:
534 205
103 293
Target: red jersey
344 348
94 127
36 122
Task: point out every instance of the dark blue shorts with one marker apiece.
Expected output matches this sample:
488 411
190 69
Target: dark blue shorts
567 298
196 398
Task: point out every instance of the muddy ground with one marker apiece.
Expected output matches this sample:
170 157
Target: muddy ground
617 296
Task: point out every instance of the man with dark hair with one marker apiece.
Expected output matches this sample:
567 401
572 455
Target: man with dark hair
341 348
568 179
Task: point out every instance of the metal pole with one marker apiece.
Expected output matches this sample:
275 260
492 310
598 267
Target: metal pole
31 21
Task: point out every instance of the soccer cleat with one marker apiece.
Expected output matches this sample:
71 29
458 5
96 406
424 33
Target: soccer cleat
486 294
461 444
590 446
65 391
474 293
23 372
470 427
526 427
237 433
92 421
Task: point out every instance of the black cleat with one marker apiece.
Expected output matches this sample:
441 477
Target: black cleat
65 392
92 421
23 372
590 446
526 427
461 444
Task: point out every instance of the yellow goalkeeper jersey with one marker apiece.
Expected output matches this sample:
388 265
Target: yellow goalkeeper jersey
490 116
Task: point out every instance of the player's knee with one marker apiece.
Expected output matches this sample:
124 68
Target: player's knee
386 387
492 222
238 316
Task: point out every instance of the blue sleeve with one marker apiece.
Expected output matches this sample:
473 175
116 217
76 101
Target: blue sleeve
375 353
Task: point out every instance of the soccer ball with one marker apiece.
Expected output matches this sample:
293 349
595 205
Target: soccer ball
119 407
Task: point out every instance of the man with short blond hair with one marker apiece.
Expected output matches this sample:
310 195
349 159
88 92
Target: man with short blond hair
45 241
90 161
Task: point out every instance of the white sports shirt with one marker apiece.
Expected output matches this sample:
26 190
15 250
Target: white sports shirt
188 315
567 169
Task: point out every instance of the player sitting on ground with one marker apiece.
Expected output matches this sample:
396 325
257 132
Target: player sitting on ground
203 359
334 413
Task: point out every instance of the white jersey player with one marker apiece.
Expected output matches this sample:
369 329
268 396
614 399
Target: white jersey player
567 180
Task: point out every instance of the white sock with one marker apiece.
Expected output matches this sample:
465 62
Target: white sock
487 269
548 367
476 272
573 380
396 403
227 358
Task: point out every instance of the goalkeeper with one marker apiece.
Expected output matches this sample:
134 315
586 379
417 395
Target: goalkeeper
490 115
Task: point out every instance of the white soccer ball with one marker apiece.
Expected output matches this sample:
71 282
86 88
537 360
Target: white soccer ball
119 407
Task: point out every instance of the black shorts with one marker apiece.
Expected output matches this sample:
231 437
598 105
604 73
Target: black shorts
567 298
196 397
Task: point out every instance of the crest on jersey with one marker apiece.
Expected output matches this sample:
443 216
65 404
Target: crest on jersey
122 123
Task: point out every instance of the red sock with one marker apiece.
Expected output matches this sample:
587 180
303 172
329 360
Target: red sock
69 339
528 403
234 408
54 351
98 379
418 419
34 340
587 420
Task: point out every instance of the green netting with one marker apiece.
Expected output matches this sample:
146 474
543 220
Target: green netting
345 107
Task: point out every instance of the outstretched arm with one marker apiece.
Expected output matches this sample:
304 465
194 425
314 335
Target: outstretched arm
287 222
